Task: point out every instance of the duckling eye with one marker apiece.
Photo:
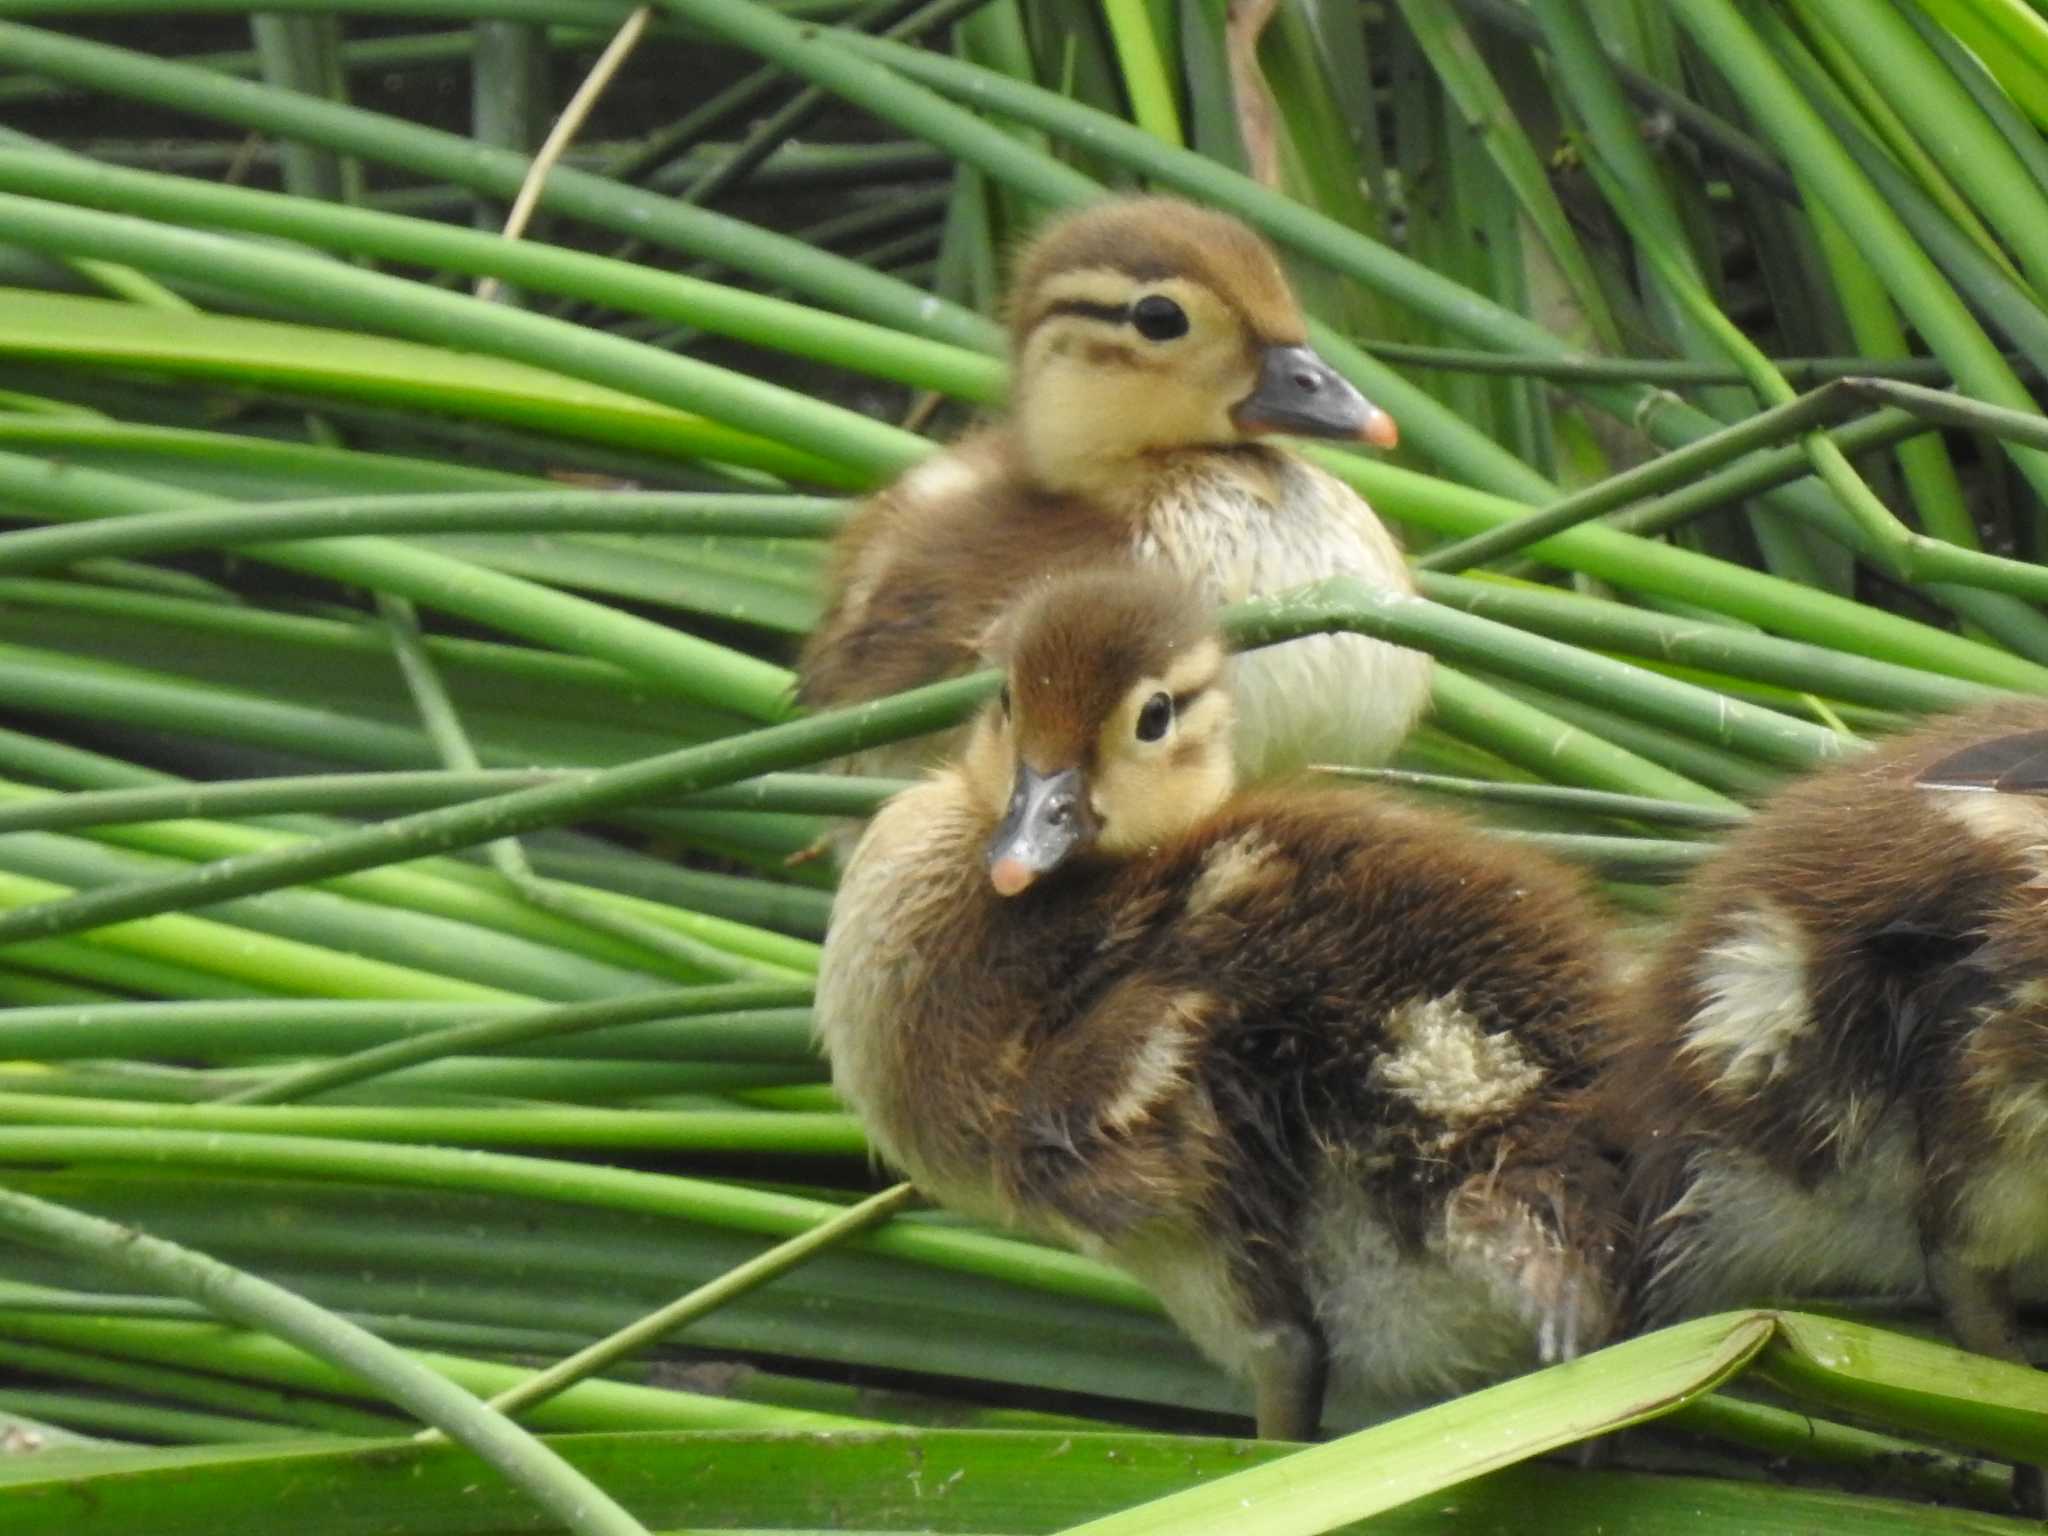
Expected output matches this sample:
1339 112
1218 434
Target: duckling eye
1003 700
1155 717
1158 318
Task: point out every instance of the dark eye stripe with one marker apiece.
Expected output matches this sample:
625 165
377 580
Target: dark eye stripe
1182 700
1110 314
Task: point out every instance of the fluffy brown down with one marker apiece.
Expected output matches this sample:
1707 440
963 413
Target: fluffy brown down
1190 1056
1919 919
1282 983
915 581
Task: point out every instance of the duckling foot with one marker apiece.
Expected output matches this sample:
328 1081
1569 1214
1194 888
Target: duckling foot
1979 1308
2030 1491
1290 1368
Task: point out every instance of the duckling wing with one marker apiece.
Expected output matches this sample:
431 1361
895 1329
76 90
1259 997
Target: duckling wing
1111 1125
924 568
892 619
2006 765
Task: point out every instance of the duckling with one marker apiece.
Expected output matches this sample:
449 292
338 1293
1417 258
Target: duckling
1303 1061
1836 1071
1156 346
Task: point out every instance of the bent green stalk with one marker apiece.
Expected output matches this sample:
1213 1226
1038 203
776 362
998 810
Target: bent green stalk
429 152
443 722
1343 603
243 1298
1794 418
734 1283
1728 649
719 1132
729 1206
459 826
225 1031
1827 171
1587 802
1644 565
818 794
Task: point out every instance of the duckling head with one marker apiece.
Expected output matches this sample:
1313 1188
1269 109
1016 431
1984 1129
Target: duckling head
1148 326
1112 730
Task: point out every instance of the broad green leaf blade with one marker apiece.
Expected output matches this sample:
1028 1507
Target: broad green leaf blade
1928 1388
1409 1458
947 1481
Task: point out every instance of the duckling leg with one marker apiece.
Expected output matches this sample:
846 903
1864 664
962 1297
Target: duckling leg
1515 1230
1290 1369
1978 1306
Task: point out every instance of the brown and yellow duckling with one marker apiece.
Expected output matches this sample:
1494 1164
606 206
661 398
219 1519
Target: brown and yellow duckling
1301 1060
1836 1077
1156 347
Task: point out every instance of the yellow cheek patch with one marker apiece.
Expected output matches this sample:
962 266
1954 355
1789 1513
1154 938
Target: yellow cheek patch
1147 792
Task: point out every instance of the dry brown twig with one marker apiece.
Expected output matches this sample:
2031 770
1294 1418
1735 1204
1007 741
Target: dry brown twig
1257 122
564 132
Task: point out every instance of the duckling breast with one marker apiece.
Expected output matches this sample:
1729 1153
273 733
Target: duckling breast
1257 522
910 1052
1745 1231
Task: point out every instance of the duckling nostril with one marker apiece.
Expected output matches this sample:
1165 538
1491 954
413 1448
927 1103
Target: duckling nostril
1308 383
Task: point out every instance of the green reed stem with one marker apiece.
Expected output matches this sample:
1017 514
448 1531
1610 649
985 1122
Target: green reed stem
300 1083
880 350
682 663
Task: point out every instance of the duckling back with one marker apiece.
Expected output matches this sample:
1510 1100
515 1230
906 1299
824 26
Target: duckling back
1416 1011
1839 1062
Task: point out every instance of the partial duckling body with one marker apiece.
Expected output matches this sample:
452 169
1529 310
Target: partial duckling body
1156 345
1304 1062
1837 1071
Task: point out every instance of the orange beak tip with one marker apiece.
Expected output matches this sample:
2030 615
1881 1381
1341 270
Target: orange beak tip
1380 430
1009 876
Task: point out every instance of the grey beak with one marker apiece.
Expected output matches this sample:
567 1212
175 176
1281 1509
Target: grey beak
1046 821
1298 392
